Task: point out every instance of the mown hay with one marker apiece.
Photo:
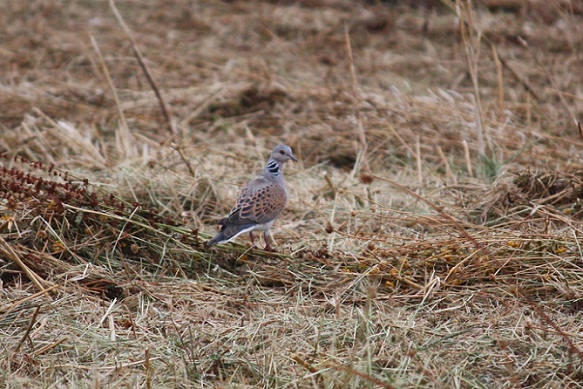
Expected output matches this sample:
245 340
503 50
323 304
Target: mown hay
432 239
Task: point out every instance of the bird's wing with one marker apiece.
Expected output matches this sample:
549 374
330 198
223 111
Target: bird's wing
261 201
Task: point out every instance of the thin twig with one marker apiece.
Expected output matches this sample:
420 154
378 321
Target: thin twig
28 329
304 364
468 158
140 58
148 369
40 283
514 73
9 308
125 136
500 78
418 158
448 172
49 347
451 6
545 318
163 106
359 127
471 38
355 372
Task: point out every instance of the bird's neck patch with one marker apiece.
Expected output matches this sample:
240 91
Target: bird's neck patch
273 168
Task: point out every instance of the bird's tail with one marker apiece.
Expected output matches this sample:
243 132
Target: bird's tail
229 232
220 237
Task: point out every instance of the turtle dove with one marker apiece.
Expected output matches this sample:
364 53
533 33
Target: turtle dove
260 203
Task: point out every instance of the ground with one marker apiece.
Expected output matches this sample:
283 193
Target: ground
431 238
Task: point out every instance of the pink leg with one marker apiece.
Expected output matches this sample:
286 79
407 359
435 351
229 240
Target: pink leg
252 238
266 238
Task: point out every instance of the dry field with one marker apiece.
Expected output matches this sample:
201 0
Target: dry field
432 235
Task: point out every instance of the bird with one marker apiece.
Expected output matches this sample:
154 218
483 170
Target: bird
260 202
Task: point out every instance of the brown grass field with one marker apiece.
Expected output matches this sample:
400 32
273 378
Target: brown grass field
431 239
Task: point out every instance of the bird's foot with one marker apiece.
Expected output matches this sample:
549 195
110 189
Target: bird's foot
269 248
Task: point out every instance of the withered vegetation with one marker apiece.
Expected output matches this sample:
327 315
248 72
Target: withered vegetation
432 233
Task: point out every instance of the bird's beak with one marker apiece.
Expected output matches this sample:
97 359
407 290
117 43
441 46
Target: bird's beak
293 158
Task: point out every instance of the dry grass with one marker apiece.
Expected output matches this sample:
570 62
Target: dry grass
433 233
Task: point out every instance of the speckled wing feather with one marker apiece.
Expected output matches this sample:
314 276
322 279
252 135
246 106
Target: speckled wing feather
259 202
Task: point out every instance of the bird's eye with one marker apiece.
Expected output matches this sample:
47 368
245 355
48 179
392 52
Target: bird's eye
281 152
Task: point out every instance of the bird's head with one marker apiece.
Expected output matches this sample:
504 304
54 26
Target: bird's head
282 153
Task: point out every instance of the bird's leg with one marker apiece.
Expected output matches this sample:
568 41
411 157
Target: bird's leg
266 238
252 238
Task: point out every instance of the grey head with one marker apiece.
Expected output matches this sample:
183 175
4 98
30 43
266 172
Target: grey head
279 155
282 153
